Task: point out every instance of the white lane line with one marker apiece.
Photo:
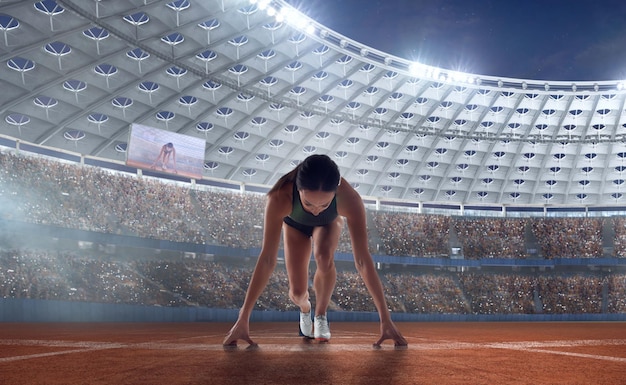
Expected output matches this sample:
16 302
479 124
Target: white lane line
313 346
539 347
557 343
571 354
63 344
40 355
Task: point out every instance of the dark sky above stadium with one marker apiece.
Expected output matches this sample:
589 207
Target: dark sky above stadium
530 39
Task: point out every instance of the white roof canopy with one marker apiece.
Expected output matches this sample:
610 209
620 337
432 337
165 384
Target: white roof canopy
265 88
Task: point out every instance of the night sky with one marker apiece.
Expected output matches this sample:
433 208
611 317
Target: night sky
547 40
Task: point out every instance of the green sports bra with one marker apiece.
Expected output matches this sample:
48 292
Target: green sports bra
298 214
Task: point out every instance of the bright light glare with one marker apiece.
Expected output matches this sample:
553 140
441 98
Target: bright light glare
456 76
288 13
424 71
298 19
263 4
419 70
295 18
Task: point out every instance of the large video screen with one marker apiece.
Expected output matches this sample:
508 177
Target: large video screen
164 151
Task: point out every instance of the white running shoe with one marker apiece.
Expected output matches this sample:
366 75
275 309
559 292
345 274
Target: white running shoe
306 325
322 331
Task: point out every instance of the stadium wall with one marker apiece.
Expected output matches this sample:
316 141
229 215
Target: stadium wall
34 310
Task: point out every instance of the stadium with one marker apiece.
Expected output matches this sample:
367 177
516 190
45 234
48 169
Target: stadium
493 203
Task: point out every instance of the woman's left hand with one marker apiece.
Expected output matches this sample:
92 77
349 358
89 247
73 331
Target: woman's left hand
389 331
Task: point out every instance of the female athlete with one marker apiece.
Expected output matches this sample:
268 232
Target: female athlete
309 204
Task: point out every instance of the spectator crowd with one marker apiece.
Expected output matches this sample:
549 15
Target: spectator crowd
44 191
51 192
38 274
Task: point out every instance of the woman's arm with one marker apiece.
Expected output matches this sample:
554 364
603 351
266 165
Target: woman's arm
350 205
276 209
161 155
354 212
266 262
174 157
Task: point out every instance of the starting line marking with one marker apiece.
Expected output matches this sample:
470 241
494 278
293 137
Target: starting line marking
313 346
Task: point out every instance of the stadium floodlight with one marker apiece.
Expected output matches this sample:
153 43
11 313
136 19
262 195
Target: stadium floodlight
262 4
456 77
416 69
293 16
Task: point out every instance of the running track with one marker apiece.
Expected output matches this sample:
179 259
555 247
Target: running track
192 353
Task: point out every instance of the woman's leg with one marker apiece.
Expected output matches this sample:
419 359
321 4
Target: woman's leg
325 241
297 256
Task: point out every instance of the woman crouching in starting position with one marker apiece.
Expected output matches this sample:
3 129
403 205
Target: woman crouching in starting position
308 204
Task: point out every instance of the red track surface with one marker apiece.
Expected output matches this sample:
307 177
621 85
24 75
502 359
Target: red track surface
438 353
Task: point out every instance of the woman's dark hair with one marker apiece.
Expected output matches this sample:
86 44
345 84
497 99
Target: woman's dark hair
318 173
315 173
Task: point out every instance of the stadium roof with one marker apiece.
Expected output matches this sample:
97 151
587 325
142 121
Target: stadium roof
266 86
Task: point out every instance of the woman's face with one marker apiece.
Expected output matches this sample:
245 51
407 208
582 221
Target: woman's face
315 202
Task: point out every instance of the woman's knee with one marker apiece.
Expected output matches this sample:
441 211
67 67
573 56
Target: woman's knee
325 261
298 295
